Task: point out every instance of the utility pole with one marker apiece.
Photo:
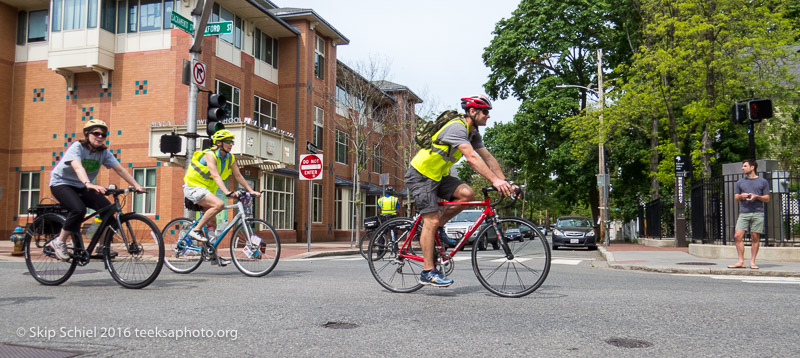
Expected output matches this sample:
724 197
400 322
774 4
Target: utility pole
602 177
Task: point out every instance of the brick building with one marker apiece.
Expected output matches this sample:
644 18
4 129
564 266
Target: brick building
64 62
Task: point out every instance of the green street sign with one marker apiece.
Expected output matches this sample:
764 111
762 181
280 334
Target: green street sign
219 28
182 22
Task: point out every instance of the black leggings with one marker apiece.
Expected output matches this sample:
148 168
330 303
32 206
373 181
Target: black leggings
76 200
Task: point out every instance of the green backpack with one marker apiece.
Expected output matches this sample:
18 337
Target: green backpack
426 129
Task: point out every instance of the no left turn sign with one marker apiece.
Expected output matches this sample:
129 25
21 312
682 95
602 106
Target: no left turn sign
199 73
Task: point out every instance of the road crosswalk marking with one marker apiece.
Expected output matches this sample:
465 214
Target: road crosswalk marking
750 279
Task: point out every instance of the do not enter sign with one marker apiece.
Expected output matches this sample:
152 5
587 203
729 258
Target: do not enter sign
310 166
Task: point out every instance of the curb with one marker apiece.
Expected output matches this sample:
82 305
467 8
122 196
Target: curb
703 271
311 255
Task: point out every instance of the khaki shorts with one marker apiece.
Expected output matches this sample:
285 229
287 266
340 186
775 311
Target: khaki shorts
195 193
752 221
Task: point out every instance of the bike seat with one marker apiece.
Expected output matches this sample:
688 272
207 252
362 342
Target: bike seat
191 206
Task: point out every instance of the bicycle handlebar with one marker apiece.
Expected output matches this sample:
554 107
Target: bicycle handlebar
518 191
112 190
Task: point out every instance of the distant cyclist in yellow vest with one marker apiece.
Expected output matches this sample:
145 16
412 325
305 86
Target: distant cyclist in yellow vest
428 178
388 203
207 172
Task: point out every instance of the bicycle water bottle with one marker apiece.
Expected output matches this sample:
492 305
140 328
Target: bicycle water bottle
93 228
221 227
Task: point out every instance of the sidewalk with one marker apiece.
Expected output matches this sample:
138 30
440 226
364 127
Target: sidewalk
627 256
288 250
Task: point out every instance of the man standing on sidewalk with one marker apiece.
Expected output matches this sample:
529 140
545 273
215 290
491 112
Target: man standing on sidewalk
751 193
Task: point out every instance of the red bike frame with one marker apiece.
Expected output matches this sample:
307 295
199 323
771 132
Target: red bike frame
488 210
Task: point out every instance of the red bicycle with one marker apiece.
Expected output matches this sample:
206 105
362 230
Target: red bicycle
517 267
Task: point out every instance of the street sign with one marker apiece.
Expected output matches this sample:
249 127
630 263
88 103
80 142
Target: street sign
218 28
182 22
683 164
311 147
383 179
199 73
310 166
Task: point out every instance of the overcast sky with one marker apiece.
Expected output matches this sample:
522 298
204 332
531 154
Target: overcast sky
434 47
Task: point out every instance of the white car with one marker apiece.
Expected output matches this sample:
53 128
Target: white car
459 224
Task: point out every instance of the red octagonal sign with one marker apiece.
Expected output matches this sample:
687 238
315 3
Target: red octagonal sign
310 166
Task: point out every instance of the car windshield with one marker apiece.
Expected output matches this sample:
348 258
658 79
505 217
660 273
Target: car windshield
513 231
468 216
574 222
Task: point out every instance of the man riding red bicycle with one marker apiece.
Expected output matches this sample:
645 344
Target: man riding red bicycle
428 178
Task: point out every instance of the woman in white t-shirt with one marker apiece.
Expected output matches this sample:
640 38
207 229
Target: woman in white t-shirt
71 180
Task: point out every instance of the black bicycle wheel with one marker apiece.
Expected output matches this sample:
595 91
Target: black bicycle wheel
395 273
182 254
140 251
363 243
258 254
525 271
40 259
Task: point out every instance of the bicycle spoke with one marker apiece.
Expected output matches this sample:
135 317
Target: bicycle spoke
389 269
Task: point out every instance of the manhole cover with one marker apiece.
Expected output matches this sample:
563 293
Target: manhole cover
628 343
340 325
697 263
12 350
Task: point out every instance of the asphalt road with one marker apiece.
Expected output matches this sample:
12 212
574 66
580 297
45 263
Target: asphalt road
583 309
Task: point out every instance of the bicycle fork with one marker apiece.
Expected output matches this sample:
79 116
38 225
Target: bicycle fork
501 239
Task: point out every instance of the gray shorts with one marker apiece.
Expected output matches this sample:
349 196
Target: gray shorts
426 191
195 193
752 221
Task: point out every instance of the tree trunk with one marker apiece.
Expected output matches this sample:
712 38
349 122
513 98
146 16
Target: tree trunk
654 187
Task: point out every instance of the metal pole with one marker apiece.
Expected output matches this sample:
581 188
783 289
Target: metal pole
308 220
602 155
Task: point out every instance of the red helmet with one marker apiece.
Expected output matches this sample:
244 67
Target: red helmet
478 102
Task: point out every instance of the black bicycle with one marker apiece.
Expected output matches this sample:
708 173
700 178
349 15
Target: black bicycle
134 239
370 224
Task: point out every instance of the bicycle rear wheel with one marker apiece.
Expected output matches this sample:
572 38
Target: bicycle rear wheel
393 272
40 259
257 255
140 251
363 243
182 254
525 271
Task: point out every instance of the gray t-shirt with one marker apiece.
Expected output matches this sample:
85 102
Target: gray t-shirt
757 186
456 134
63 174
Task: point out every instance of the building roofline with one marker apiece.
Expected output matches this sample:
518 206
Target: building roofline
288 13
259 5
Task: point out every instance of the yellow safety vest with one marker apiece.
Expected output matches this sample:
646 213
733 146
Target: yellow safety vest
388 205
435 162
198 176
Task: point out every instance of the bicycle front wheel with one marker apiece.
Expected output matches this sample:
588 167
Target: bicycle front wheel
258 254
393 272
140 251
182 254
40 258
522 268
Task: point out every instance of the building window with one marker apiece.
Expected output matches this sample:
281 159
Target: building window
222 14
92 21
319 126
265 48
265 112
377 165
150 15
31 26
232 94
28 191
319 58
341 147
342 205
108 15
317 204
56 14
140 15
168 8
279 201
122 6
371 206
145 203
74 14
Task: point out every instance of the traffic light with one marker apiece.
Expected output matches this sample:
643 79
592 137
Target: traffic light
216 113
739 113
760 109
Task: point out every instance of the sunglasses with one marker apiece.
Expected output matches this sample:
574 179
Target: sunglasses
227 141
485 112
98 134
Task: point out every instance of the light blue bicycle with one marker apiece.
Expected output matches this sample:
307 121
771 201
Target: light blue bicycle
254 246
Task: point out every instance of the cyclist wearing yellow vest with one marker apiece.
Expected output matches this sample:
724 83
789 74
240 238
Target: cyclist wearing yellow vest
428 178
207 172
388 203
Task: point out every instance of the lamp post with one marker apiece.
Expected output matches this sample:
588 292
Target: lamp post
602 177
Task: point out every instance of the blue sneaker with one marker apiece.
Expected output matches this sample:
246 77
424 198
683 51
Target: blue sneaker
446 240
434 278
